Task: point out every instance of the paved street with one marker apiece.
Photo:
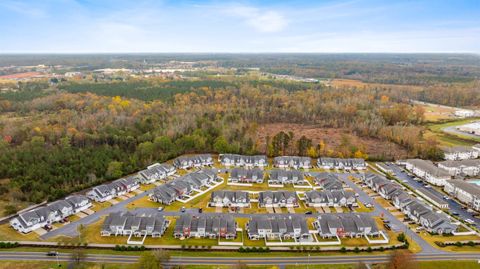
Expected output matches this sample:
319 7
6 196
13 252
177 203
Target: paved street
453 205
265 260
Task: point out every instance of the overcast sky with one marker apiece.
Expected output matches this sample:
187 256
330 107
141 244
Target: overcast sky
62 26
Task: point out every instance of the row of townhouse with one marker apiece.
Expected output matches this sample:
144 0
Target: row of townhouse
206 226
156 172
346 225
242 175
465 192
199 160
461 168
277 199
423 214
461 153
277 227
295 162
344 164
229 199
419 212
126 223
317 198
428 171
53 212
119 187
243 160
279 176
185 185
328 181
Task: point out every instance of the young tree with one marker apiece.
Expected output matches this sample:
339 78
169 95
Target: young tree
148 261
401 259
162 256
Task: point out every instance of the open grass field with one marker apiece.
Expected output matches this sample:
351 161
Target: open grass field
449 139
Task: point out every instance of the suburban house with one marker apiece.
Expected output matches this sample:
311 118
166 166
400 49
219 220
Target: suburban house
206 226
461 168
182 186
426 216
56 211
345 225
156 172
317 198
242 175
126 224
243 160
384 168
200 160
277 227
428 171
375 181
277 199
229 199
465 192
343 164
328 181
279 176
105 192
294 162
460 153
389 189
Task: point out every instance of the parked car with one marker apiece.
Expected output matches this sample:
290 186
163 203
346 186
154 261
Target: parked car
200 210
160 209
356 194
183 209
387 226
455 213
308 213
469 221
52 253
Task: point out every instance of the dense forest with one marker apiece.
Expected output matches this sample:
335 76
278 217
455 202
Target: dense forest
63 138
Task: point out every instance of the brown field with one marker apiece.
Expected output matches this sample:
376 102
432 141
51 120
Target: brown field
360 84
331 137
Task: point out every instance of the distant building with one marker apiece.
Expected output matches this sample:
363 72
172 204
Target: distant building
461 168
242 175
464 113
200 160
467 193
229 199
228 160
428 171
460 153
279 176
294 162
341 164
317 198
156 172
277 199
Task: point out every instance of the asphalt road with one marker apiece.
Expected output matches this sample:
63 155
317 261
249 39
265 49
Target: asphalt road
454 206
281 260
453 130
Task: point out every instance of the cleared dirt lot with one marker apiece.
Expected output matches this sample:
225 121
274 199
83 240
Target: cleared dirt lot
332 137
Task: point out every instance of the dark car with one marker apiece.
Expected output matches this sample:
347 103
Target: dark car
455 213
308 213
200 210
387 226
52 253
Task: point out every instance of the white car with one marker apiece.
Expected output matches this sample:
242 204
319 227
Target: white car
160 209
469 221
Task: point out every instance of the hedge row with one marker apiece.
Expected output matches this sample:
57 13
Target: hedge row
129 248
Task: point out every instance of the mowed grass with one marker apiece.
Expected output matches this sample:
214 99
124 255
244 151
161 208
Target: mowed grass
48 265
7 233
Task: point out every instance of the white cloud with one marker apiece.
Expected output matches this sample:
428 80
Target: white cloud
267 21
